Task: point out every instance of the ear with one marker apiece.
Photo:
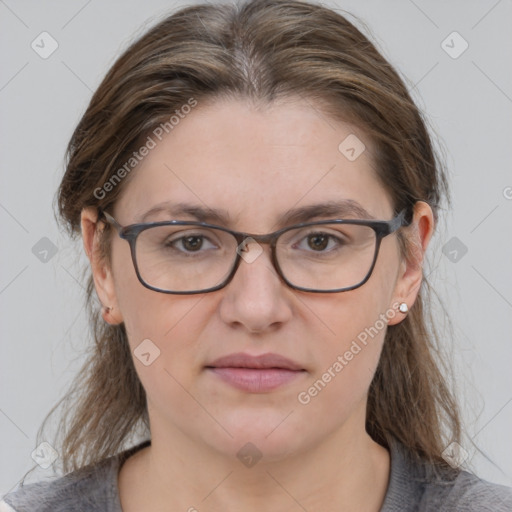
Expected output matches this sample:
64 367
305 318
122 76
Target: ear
410 275
101 271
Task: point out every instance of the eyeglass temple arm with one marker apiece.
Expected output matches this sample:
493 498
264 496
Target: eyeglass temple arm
109 219
402 219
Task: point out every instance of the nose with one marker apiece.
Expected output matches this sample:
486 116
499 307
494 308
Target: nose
256 299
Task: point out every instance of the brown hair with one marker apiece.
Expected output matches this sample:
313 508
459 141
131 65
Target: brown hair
259 51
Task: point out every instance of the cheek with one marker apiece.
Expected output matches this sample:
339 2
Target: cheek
348 354
169 329
172 324
163 333
164 325
358 325
347 358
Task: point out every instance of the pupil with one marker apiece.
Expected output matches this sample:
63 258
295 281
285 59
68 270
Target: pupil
193 243
318 242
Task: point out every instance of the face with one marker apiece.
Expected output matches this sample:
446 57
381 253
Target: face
255 167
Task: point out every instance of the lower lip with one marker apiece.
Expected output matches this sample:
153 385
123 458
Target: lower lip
254 380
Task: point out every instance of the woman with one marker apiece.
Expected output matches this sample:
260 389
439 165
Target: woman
256 192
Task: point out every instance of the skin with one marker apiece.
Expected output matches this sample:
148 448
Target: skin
256 164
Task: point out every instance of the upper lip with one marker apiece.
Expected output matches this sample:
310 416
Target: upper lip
241 360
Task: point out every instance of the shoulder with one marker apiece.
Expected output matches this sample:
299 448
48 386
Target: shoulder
87 489
419 486
92 488
467 493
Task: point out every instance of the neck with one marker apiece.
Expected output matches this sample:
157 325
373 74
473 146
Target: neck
348 471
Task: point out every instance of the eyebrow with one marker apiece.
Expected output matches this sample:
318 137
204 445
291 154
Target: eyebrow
346 208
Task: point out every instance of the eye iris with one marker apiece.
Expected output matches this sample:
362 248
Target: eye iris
318 242
192 243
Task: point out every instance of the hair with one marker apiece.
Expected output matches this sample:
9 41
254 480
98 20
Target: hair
257 51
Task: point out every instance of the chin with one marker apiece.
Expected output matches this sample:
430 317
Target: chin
261 434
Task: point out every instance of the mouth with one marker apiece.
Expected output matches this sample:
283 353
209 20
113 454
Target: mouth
255 374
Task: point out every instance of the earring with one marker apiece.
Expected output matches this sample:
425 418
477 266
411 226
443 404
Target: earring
105 311
403 308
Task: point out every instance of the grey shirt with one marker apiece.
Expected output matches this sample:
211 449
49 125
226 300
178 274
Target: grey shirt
412 487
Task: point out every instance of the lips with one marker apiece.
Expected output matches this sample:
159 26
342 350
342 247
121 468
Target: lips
241 360
255 374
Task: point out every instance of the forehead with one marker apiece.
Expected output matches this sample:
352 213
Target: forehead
255 164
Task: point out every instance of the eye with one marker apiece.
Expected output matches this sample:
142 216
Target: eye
319 242
191 243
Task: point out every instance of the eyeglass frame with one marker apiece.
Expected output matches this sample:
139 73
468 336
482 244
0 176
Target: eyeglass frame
382 228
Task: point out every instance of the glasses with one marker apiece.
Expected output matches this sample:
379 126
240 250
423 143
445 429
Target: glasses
186 257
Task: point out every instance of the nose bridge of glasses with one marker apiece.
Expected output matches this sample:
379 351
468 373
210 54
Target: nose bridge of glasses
264 239
249 246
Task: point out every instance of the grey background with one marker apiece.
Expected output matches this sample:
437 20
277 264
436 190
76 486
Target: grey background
468 101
